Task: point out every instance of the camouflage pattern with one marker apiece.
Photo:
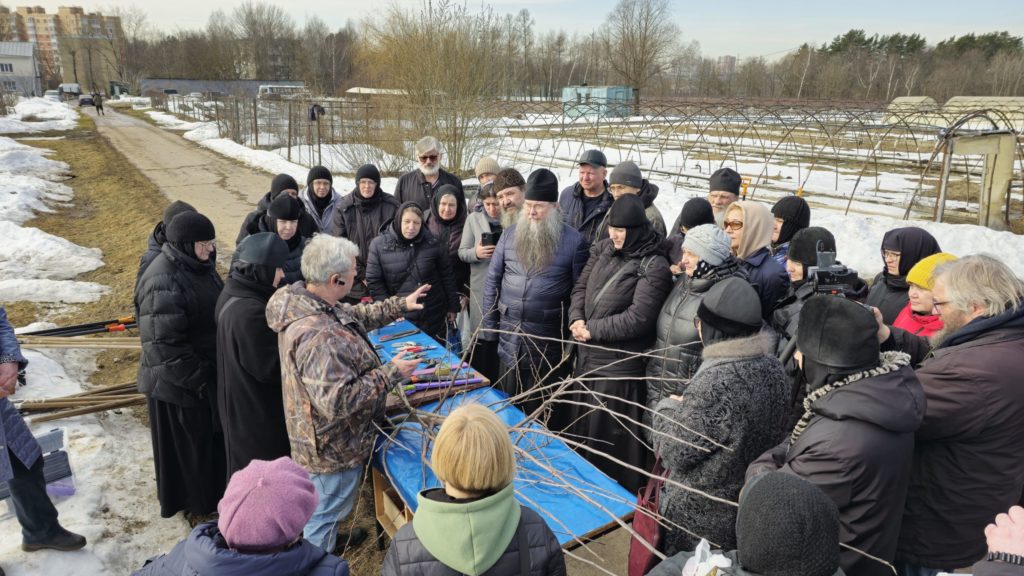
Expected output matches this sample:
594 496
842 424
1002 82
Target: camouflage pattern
333 383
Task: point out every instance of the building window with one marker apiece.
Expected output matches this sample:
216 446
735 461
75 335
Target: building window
6 67
9 85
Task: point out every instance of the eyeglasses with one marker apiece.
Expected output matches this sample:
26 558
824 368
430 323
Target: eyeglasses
936 304
733 224
890 255
429 158
209 244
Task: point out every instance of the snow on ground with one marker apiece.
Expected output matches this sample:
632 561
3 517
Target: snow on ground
114 505
35 265
38 115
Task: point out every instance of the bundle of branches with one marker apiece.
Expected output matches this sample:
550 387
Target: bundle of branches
96 400
103 343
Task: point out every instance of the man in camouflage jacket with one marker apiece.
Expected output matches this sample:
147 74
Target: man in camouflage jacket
334 388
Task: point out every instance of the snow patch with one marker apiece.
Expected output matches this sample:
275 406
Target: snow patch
115 505
38 115
62 291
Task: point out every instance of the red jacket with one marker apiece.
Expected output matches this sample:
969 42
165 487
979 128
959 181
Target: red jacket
918 324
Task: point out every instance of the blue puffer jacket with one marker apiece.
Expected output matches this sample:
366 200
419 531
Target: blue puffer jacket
14 434
769 279
593 227
205 553
537 302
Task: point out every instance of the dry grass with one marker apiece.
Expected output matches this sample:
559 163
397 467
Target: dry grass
114 209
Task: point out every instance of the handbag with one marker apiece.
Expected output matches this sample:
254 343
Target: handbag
646 526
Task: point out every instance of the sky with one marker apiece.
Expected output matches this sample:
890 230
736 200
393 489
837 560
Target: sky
743 28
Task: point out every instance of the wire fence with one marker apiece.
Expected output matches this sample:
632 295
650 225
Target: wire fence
844 155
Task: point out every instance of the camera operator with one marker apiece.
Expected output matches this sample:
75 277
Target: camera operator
809 276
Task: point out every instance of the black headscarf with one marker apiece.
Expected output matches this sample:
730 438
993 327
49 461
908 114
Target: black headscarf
796 216
913 244
258 276
396 222
628 212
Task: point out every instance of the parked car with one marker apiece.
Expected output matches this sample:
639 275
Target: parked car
85 100
195 96
52 95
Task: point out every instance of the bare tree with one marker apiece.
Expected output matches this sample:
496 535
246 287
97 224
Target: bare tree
642 39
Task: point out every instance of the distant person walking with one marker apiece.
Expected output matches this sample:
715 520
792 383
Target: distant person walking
97 101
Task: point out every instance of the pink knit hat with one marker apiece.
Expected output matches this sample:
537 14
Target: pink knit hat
266 505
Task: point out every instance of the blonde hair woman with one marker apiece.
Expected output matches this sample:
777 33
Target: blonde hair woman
473 524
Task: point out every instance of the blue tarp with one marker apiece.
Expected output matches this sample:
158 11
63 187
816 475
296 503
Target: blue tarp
571 498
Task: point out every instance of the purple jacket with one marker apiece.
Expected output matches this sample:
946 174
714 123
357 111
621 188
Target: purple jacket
14 433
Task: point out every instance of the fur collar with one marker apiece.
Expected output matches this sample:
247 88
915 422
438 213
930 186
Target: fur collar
890 362
759 344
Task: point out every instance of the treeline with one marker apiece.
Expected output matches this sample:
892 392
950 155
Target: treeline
446 47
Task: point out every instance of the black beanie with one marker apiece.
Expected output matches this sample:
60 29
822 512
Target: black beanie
838 334
190 227
282 182
796 216
284 207
695 212
542 186
732 307
803 248
787 526
627 212
318 173
368 171
264 249
726 180
175 208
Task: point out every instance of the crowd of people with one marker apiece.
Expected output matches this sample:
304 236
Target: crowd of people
806 423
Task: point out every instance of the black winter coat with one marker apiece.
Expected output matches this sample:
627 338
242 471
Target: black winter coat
967 461
676 353
361 220
769 279
632 289
249 397
619 297
739 399
857 444
592 227
396 267
176 299
412 187
533 302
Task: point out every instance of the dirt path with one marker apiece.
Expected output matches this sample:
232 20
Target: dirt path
219 188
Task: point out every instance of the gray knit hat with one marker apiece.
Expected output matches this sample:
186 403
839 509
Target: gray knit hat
628 174
709 242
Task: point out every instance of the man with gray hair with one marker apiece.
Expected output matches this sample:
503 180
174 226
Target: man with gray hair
533 270
334 385
419 184
967 458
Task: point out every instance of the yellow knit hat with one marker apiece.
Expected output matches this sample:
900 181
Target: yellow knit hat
921 273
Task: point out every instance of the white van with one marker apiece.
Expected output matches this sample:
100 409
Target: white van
70 89
277 92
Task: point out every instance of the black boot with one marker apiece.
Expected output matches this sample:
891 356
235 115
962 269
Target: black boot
61 539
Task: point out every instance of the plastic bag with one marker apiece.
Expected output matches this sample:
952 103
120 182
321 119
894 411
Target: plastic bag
704 563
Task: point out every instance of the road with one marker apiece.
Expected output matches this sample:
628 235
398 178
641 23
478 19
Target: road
223 190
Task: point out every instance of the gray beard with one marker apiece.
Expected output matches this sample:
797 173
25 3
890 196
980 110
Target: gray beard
509 219
947 331
430 171
536 242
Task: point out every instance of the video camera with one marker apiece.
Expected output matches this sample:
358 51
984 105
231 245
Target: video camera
831 277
